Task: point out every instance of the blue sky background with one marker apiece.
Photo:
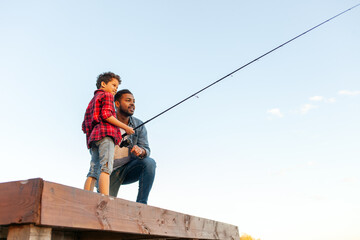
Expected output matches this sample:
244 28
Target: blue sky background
274 149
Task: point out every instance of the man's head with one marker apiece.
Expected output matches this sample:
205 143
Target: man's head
108 81
125 102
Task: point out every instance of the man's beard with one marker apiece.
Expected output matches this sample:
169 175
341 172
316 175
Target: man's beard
125 112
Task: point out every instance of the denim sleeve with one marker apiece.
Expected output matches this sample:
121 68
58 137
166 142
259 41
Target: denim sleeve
142 140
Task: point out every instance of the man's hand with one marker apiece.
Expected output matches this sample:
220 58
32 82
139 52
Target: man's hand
138 151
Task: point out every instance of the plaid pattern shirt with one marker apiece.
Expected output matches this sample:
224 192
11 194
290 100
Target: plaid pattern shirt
94 125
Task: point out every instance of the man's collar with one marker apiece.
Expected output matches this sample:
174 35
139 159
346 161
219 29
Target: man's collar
131 122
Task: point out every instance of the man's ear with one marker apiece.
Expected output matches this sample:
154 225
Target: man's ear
117 104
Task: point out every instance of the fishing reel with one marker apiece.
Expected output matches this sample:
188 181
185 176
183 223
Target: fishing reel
126 143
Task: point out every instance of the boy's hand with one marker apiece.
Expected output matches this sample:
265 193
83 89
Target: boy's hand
129 130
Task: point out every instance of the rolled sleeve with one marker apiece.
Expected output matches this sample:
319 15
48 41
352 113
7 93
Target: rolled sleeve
143 140
140 138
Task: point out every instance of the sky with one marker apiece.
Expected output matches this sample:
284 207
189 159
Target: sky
273 149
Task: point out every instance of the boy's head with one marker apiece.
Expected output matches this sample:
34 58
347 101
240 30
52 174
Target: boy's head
108 81
106 77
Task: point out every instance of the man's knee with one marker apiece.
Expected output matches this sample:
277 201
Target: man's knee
149 163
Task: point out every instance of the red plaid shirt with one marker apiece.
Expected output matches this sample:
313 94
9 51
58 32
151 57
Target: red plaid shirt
94 125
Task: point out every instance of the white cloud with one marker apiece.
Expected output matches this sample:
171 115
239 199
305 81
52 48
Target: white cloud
322 99
350 93
306 107
316 98
275 112
330 100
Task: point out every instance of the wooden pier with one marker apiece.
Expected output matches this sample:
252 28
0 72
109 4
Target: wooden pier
35 209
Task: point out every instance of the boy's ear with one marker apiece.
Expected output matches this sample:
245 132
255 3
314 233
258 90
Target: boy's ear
102 84
117 104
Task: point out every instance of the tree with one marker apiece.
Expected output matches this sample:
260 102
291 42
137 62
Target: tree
247 237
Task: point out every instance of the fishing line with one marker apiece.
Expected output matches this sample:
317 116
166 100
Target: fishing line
245 65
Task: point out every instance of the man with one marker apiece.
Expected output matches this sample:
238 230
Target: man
132 163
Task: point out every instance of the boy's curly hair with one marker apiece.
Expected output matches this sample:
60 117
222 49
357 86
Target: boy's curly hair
106 77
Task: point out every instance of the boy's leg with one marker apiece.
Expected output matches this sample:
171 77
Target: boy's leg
104 183
89 184
94 169
106 156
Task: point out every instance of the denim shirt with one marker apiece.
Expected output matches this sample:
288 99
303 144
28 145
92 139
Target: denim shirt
140 136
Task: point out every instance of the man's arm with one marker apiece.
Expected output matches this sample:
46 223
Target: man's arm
141 149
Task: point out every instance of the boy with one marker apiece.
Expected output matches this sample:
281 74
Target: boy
102 131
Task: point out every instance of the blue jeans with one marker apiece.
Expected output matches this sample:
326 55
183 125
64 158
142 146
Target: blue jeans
142 170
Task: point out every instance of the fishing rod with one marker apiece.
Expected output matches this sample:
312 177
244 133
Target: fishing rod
127 143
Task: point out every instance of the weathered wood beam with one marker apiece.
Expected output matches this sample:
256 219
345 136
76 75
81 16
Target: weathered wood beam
29 232
65 206
20 201
3 233
72 213
117 236
64 235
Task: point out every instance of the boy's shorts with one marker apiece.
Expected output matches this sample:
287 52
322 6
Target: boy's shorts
102 157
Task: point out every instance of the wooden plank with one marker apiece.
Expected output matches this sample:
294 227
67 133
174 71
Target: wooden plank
29 232
64 206
20 201
101 235
64 235
3 233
